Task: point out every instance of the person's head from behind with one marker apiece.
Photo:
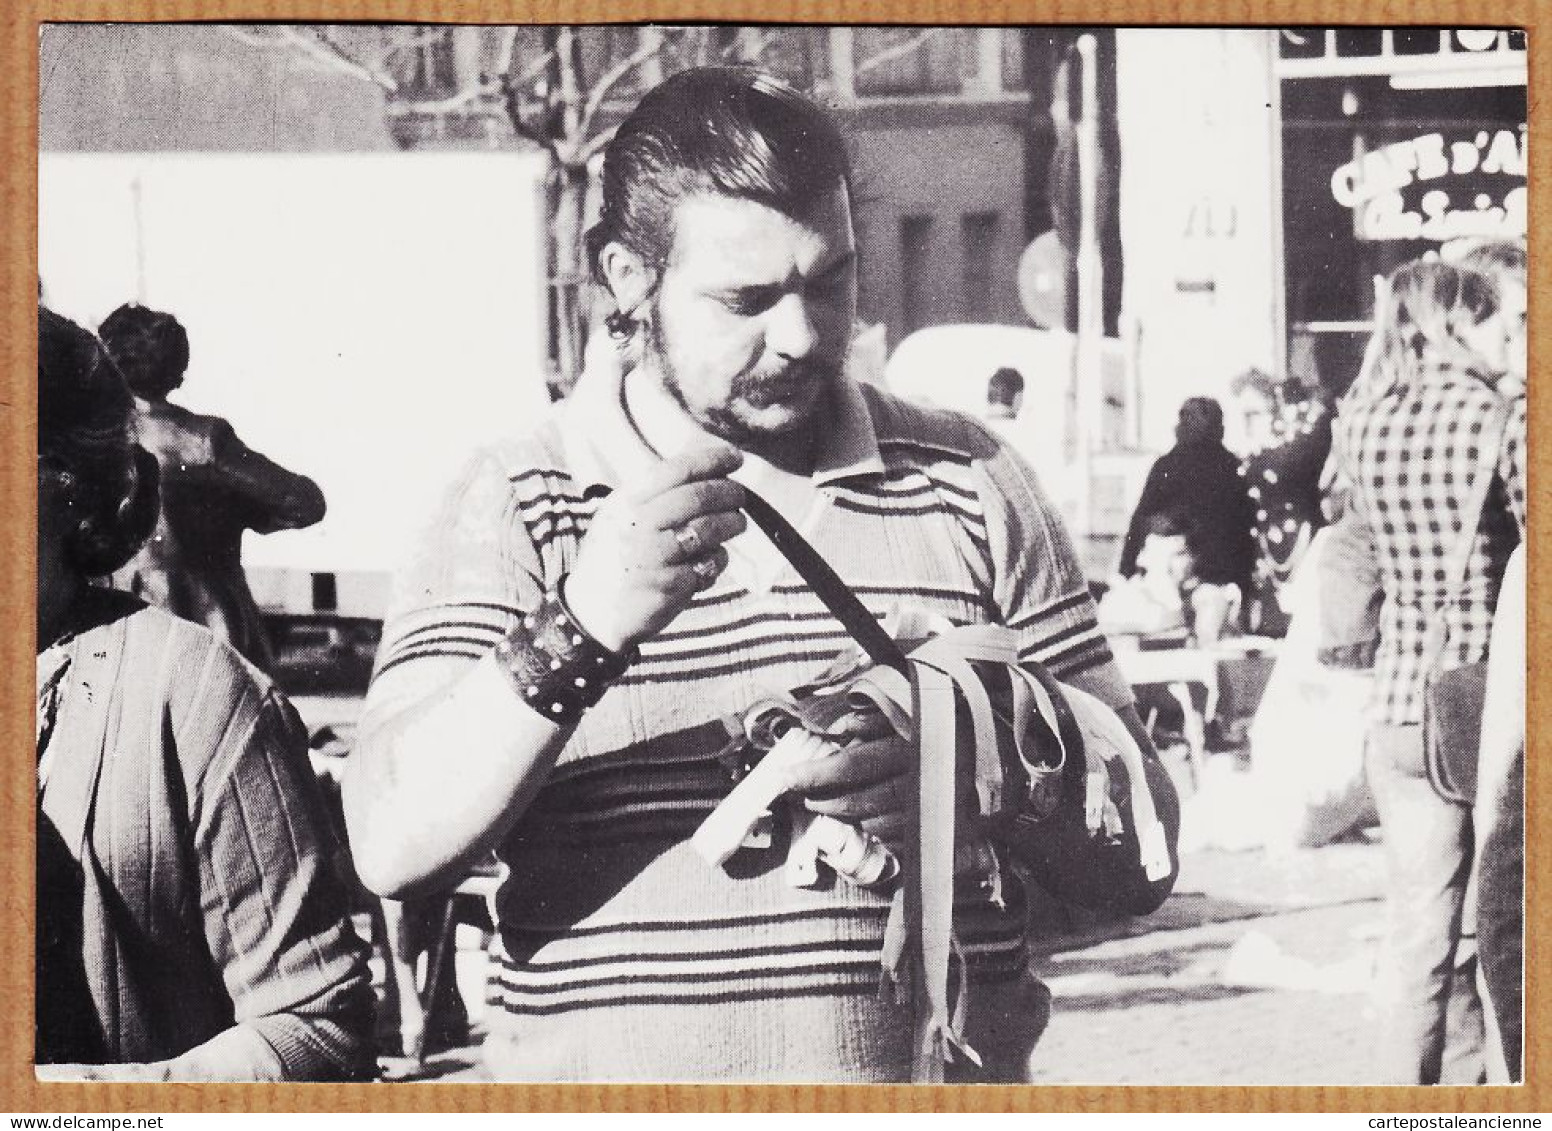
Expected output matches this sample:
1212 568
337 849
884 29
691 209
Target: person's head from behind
1505 262
1200 422
1438 314
1005 393
726 241
97 498
150 348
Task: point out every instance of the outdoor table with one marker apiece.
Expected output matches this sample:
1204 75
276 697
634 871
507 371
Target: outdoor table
1181 667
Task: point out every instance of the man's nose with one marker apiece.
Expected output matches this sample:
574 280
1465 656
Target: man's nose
790 330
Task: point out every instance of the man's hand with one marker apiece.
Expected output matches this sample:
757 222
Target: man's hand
866 783
652 547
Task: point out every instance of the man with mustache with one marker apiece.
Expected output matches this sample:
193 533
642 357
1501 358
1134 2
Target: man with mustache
588 606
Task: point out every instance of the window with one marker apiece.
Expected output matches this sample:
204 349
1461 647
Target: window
1015 75
978 246
915 265
909 60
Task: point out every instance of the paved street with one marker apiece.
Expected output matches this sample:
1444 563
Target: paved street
1255 973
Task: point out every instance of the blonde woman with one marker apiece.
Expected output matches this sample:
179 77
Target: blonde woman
1407 440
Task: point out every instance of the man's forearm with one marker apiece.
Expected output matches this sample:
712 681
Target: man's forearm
432 789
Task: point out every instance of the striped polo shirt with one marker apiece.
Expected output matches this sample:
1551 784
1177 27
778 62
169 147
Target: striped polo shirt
623 955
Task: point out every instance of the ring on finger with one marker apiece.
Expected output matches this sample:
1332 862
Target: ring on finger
689 540
706 569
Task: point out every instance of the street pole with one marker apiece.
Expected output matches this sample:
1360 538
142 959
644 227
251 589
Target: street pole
1089 339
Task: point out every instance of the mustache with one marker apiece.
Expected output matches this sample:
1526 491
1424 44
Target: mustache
792 372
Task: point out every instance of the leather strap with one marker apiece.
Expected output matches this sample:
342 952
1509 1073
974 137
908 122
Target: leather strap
827 586
923 913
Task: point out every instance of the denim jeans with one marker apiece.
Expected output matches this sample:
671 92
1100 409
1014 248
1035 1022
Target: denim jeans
1432 1015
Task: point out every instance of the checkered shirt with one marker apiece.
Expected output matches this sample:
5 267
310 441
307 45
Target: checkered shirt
1410 455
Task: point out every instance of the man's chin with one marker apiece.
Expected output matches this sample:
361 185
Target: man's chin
759 426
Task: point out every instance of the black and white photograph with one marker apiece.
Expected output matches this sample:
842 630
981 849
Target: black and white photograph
781 554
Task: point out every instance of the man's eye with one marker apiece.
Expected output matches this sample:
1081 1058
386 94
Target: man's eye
746 304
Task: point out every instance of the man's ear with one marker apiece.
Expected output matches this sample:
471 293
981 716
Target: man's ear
627 274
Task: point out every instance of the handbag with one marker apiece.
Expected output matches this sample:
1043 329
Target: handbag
1105 870
1453 697
1058 784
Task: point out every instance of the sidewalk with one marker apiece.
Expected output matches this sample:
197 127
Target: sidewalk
1255 972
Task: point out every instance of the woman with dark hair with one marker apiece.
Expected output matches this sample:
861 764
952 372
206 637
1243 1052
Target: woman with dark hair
213 489
1199 481
189 910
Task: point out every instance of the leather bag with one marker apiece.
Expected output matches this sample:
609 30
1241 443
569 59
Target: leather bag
1057 782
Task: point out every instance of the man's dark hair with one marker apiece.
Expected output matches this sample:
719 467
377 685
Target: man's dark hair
730 131
150 348
1201 421
1005 386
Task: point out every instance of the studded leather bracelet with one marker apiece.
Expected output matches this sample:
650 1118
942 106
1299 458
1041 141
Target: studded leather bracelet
555 666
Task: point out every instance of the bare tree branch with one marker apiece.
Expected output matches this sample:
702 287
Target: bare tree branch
536 68
377 68
506 52
592 146
652 45
252 37
466 97
751 45
890 54
331 56
700 50
420 39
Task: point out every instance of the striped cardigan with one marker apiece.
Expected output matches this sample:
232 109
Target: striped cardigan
624 956
191 914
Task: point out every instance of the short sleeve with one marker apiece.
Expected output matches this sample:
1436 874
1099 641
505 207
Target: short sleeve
1039 588
274 902
469 578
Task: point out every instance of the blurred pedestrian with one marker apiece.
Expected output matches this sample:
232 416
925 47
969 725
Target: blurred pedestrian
1166 594
190 919
1407 440
1199 481
214 488
1005 394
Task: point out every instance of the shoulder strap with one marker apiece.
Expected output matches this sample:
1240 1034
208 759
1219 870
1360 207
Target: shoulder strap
1488 450
836 595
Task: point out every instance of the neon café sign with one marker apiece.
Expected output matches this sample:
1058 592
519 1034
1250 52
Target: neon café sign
1461 182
